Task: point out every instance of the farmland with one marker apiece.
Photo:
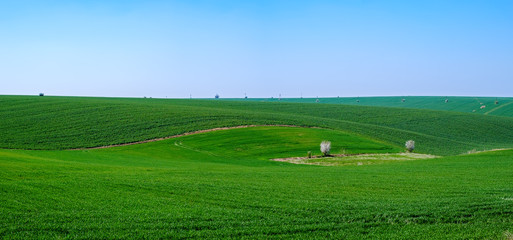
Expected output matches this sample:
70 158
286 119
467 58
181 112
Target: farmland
73 122
497 106
222 184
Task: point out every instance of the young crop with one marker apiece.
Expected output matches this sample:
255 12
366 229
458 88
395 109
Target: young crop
65 122
179 176
410 145
325 148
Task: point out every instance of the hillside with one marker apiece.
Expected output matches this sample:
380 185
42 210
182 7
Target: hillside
224 183
504 106
203 186
73 122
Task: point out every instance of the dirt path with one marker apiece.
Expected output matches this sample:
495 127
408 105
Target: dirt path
491 150
185 134
499 107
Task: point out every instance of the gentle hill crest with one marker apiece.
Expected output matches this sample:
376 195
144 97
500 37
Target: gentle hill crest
79 122
497 106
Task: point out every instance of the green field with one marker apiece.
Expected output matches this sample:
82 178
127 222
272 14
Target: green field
503 107
73 122
223 184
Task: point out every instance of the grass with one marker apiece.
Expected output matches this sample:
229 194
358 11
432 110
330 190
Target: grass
457 104
285 142
204 188
73 122
223 184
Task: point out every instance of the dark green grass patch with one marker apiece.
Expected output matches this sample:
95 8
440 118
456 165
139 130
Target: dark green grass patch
72 122
502 106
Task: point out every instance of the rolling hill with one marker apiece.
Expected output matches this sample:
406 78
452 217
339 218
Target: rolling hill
223 184
501 106
73 122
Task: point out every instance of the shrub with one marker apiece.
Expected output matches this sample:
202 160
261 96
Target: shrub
410 145
325 148
309 154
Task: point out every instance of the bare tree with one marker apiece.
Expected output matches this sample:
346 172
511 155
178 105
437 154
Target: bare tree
325 148
410 145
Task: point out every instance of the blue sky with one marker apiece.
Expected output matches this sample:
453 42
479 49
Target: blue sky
262 48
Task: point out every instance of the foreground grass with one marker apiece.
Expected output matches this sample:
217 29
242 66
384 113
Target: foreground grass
202 189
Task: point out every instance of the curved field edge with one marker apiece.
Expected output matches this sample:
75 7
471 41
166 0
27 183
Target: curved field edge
180 135
73 122
265 142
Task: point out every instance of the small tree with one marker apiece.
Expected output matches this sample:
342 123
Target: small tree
325 148
410 145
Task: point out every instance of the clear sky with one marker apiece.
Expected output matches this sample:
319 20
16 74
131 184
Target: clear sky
263 48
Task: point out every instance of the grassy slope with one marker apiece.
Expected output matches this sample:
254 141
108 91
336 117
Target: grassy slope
457 104
71 122
205 187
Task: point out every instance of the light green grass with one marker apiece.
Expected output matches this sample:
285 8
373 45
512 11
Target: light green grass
208 188
262 142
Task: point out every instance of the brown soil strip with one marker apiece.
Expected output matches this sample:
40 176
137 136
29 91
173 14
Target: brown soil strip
185 134
339 158
313 157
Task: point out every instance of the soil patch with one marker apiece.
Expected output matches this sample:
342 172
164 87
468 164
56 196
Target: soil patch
355 159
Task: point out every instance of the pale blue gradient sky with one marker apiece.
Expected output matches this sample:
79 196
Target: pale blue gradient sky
262 48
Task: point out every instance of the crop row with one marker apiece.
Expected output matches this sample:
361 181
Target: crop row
70 122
